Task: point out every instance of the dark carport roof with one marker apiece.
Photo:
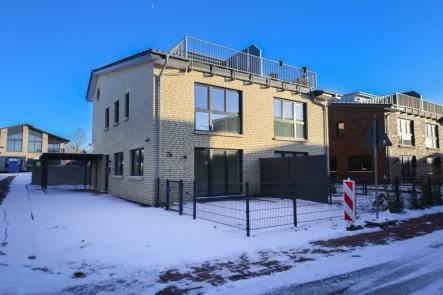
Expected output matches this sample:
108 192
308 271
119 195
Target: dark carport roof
69 156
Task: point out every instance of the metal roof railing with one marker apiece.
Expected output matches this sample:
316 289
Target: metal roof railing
401 100
241 61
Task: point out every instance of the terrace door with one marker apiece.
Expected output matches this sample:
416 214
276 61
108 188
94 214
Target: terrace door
217 172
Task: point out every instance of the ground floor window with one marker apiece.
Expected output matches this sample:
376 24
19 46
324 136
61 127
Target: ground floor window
333 165
408 167
289 154
360 163
137 161
118 163
217 171
434 165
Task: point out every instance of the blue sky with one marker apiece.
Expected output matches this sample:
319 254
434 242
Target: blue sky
48 48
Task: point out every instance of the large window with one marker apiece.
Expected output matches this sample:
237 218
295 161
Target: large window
431 136
360 163
118 163
116 112
34 141
289 119
14 139
217 109
107 118
289 154
434 165
127 105
408 167
340 129
218 172
137 157
405 132
54 148
333 164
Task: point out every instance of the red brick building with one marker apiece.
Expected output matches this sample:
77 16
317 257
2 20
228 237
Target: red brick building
412 125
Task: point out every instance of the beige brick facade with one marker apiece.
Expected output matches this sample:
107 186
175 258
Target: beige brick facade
179 136
24 154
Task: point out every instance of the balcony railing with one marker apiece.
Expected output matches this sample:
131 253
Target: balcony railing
50 150
243 61
403 101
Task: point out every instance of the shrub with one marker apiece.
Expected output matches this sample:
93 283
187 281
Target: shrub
414 198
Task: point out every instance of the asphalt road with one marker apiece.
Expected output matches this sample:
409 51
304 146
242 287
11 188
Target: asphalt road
421 273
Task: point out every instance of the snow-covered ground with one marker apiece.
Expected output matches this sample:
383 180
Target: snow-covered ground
107 237
4 175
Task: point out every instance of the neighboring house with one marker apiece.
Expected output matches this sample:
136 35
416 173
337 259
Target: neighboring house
220 110
412 124
25 143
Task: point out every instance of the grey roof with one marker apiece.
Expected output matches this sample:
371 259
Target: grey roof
65 140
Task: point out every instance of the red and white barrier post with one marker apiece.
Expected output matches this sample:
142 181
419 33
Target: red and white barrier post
349 199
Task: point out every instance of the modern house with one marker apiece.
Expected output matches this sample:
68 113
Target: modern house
413 125
200 112
25 143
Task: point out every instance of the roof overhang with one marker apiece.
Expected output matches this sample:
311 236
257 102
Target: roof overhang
69 156
325 95
148 56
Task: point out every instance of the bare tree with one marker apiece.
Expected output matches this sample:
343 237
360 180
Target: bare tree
78 143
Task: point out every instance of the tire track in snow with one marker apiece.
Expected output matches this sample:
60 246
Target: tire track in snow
5 239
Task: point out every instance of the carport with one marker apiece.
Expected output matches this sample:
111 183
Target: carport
92 158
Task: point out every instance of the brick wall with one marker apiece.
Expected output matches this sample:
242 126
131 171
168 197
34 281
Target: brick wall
179 137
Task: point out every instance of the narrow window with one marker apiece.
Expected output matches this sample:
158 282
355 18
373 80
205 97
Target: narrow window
137 161
14 139
432 136
333 165
278 154
360 163
118 163
405 132
107 118
98 94
408 165
127 105
289 119
116 112
340 129
34 141
217 109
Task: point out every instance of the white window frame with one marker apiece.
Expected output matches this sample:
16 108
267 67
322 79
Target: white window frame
405 131
431 132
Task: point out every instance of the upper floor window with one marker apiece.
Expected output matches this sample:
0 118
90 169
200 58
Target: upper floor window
98 94
360 163
34 141
14 139
118 163
53 148
217 109
107 118
431 136
137 161
127 105
405 132
289 118
340 128
116 111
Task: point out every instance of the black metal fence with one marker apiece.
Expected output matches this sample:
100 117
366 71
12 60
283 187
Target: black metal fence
253 206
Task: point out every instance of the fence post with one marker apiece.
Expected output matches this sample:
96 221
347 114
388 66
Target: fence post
431 202
180 197
248 226
330 190
194 207
167 194
294 203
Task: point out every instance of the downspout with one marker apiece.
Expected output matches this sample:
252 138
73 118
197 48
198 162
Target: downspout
159 79
325 133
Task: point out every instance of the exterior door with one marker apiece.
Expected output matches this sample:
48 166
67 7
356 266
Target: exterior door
217 172
107 172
